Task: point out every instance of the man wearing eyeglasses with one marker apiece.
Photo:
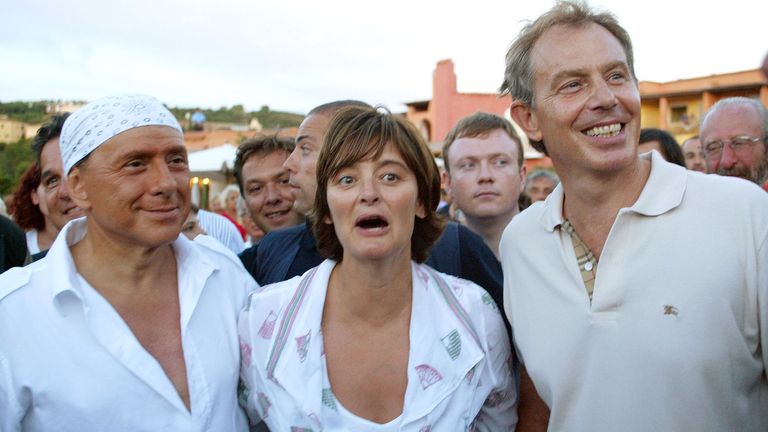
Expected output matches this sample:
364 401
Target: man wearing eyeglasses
733 139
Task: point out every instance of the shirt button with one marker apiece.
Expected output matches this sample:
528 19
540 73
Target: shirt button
588 266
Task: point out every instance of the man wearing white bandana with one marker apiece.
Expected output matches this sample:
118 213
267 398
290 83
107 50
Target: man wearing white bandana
126 325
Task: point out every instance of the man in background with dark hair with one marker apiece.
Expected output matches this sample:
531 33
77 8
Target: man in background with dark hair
47 207
263 182
663 142
694 160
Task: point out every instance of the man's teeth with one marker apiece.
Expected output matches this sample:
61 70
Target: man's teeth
609 130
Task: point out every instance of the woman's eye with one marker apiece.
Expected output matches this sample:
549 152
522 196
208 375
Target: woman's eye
390 177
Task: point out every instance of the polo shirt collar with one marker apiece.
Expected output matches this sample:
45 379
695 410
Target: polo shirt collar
664 188
663 191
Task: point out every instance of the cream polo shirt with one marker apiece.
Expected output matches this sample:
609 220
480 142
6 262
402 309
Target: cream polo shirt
459 375
676 335
68 361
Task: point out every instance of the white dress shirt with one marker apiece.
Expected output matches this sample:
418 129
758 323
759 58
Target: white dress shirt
69 362
32 245
221 229
459 375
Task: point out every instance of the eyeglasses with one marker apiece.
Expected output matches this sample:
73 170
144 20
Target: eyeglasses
739 144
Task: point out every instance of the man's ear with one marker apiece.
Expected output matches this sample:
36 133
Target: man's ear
77 189
523 177
447 183
524 116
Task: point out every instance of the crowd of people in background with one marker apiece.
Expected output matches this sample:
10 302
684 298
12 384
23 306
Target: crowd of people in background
347 281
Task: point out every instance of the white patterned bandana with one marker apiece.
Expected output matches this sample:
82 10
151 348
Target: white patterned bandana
102 119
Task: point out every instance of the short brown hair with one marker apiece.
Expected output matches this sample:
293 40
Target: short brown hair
259 146
358 133
518 76
481 124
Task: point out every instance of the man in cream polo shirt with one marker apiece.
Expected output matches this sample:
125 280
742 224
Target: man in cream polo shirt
638 290
126 325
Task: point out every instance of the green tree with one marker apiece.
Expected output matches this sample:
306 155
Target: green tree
15 158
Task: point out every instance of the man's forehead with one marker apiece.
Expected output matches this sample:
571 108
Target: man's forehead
691 143
549 54
263 165
313 127
51 155
732 119
494 142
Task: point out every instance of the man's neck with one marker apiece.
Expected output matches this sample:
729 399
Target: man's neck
110 264
592 200
491 228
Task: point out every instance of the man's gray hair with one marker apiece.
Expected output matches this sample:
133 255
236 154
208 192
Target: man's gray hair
518 76
543 173
735 101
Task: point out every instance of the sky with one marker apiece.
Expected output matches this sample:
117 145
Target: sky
294 55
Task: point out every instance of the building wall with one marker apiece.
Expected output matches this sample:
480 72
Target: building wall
448 106
436 117
678 106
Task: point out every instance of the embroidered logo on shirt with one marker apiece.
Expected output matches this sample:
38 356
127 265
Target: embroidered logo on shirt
488 301
300 429
670 310
328 399
452 343
427 375
302 342
427 428
268 326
